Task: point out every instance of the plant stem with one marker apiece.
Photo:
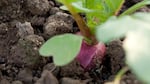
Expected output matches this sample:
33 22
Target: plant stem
135 7
85 31
120 74
119 8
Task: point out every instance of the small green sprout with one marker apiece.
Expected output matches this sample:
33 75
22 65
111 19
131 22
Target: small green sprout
97 12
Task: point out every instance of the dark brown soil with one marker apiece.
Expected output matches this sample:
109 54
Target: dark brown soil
26 24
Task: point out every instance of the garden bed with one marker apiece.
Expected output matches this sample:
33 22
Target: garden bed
26 24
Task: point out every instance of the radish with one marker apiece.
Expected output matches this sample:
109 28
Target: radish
88 54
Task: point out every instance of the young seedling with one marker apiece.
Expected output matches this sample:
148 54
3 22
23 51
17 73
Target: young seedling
83 46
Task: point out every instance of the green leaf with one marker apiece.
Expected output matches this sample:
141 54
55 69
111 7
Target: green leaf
137 47
114 6
64 8
97 11
117 27
136 7
136 28
103 10
63 48
67 1
78 6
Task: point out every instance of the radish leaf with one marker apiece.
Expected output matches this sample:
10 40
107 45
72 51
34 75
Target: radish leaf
136 28
137 47
118 27
63 48
97 11
136 7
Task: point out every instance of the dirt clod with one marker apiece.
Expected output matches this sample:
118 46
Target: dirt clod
47 78
24 29
16 82
74 72
52 68
25 76
26 51
130 79
38 7
58 24
4 81
73 81
54 10
116 52
37 21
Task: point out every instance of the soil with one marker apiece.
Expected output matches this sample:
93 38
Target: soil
26 24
